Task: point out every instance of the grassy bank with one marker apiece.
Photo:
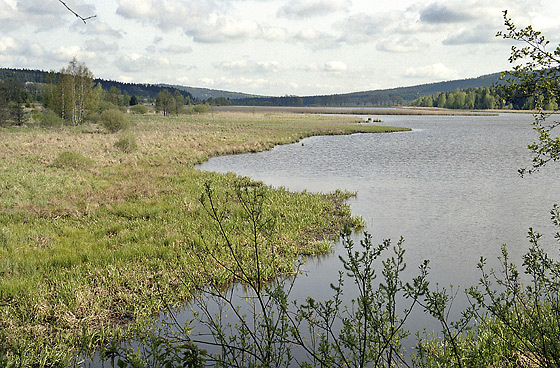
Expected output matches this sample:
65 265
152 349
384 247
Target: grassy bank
92 237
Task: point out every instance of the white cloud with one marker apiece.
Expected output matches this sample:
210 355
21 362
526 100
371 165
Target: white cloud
225 29
306 9
8 44
250 67
64 54
137 63
401 45
207 82
335 67
481 35
431 72
98 28
135 8
177 49
98 45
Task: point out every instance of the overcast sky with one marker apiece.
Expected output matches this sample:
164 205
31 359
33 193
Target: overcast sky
270 47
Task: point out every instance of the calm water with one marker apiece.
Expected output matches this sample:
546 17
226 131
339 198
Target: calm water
450 187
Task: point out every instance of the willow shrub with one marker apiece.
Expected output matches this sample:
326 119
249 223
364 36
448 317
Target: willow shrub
114 120
267 327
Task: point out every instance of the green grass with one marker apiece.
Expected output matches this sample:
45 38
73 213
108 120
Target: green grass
93 238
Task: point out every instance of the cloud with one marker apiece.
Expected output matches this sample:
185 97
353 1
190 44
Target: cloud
8 44
360 28
437 13
64 54
135 8
307 9
431 72
481 35
335 67
401 45
98 45
225 29
132 63
98 28
177 49
250 67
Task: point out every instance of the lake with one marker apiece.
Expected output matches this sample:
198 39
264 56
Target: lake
450 187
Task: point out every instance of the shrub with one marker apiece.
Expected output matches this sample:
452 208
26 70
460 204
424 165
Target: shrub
71 159
48 119
139 109
106 105
114 120
126 143
201 108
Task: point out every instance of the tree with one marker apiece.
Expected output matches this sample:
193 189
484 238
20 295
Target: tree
179 101
165 102
73 92
133 100
537 76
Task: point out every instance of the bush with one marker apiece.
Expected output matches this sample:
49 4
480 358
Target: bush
139 109
201 108
126 143
114 120
71 159
48 119
106 105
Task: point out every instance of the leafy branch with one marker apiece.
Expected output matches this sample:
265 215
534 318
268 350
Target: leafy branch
537 77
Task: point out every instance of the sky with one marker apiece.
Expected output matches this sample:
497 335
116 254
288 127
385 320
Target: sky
270 47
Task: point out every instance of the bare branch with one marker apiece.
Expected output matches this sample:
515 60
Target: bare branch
76 14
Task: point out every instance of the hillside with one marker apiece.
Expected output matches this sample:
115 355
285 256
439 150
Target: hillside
385 97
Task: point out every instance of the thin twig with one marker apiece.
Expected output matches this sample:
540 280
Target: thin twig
76 14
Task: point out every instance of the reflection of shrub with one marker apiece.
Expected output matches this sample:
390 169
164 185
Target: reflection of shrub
48 119
71 159
126 143
201 108
139 109
114 120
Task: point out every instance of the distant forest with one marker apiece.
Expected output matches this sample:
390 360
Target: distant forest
375 98
465 93
145 91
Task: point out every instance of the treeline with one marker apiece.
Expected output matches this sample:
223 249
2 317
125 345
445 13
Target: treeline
481 98
33 80
365 99
72 96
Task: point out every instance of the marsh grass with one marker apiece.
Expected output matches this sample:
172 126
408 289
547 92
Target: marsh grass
94 237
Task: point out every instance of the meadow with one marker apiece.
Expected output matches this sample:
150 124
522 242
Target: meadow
97 230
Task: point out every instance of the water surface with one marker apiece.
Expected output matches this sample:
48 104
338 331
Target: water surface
450 187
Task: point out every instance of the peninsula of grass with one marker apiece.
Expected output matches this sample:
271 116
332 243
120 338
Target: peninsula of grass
94 237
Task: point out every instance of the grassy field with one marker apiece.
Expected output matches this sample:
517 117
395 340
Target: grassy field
94 236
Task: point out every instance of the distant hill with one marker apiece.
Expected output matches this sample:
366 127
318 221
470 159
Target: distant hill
206 93
383 97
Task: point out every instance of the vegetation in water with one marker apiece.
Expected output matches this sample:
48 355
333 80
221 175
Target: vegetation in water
91 224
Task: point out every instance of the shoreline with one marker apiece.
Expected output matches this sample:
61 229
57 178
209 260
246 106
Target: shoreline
356 110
